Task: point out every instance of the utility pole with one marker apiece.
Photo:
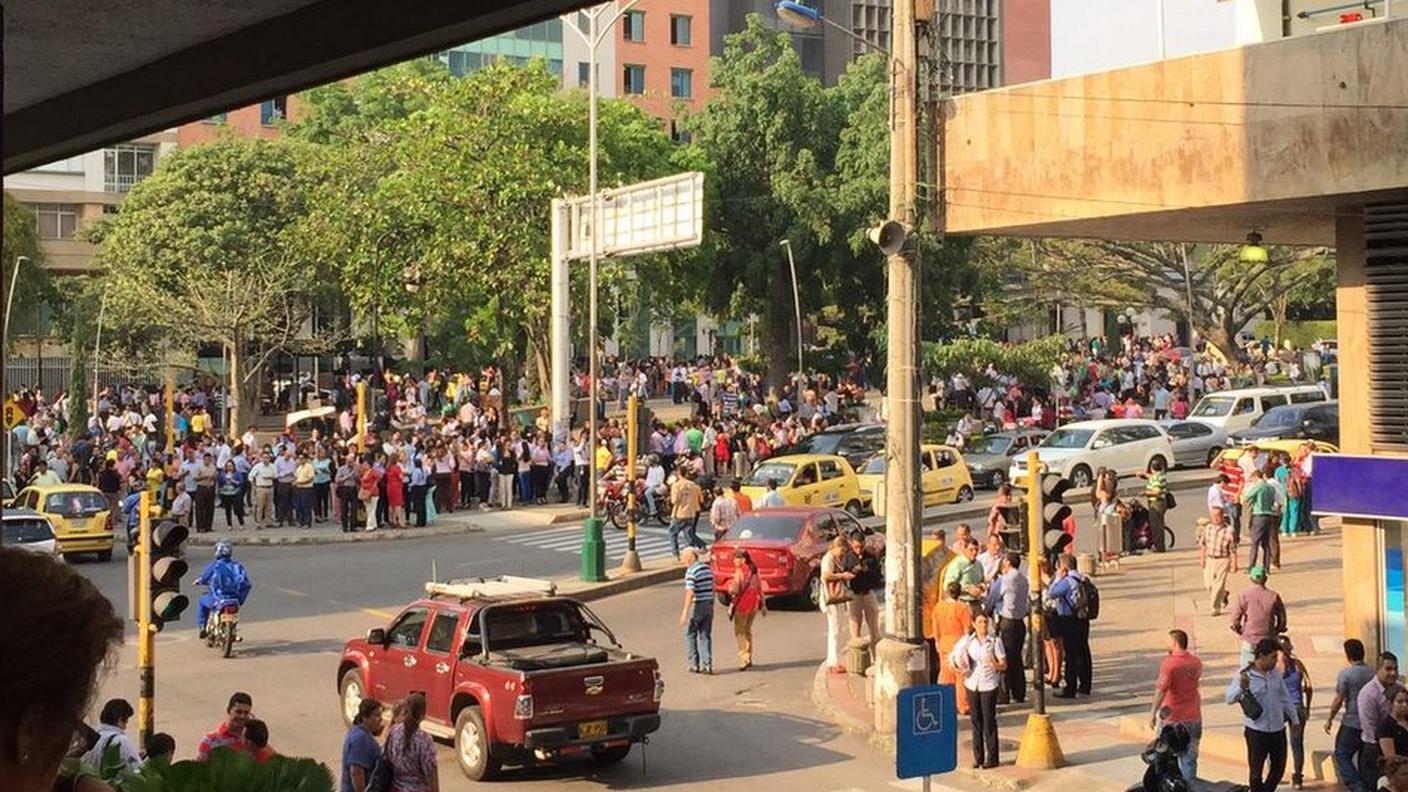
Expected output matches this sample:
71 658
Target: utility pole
901 660
631 561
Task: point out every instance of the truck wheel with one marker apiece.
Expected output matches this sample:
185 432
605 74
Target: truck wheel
610 755
352 693
105 555
472 746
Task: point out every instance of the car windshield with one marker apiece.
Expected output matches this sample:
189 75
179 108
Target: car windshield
819 443
781 472
1276 418
75 504
514 627
757 526
1214 406
992 444
25 531
1068 438
876 464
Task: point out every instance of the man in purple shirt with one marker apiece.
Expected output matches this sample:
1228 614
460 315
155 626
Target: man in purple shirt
1259 614
1373 712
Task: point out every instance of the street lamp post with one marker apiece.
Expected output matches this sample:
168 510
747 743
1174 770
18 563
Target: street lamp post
900 658
10 302
796 302
593 544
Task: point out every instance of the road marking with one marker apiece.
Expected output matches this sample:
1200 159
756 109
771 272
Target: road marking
380 614
651 542
289 592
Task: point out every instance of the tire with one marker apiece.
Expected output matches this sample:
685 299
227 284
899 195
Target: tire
617 514
105 555
965 494
811 593
472 749
997 479
351 690
1213 454
853 508
1080 477
606 756
227 639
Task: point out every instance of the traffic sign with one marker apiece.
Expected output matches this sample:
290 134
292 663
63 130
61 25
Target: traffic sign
661 214
926 731
13 414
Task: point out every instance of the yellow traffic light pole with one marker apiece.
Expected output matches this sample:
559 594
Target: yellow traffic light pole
361 415
1039 749
146 634
631 561
170 413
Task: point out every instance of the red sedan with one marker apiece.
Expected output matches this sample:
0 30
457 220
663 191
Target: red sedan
787 544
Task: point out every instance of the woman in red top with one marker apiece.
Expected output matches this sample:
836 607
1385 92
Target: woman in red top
746 591
367 492
395 492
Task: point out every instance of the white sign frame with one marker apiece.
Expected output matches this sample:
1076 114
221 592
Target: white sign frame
647 217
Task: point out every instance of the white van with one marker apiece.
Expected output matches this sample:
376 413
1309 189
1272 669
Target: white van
1233 410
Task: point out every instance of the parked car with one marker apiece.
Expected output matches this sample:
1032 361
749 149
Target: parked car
1295 422
989 456
943 476
1282 446
511 674
1075 451
808 480
79 514
1233 410
1195 444
787 544
856 442
28 530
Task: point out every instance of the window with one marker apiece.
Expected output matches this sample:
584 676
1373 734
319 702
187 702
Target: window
1302 397
681 136
679 30
126 164
1243 407
442 633
407 630
76 504
806 476
584 75
681 83
830 470
633 26
633 80
271 110
56 221
1267 402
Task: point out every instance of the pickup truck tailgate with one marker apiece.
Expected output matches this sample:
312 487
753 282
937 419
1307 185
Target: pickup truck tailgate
592 692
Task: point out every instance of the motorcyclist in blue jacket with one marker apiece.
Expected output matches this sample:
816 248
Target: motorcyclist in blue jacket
225 580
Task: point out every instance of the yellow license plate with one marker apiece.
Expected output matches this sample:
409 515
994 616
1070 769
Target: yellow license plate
591 729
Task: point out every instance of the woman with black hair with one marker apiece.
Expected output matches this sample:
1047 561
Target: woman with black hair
746 593
411 752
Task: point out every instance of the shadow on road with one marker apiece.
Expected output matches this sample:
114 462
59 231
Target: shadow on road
281 648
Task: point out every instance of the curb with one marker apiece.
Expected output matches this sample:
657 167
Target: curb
1228 747
587 592
821 698
252 538
576 515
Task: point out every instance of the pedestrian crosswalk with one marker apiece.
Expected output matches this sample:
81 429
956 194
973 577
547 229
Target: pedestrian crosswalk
651 543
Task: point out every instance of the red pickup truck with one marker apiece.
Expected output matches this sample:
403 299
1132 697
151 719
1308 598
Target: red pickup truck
511 675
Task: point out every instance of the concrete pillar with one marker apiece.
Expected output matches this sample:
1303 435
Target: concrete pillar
1363 583
561 329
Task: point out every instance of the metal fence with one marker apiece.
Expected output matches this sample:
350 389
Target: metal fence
54 374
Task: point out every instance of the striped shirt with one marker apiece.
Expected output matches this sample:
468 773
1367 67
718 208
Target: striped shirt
699 578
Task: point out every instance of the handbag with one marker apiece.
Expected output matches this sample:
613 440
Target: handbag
837 592
381 776
1250 706
1169 502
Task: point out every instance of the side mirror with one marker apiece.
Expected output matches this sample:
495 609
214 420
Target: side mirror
1100 444
376 636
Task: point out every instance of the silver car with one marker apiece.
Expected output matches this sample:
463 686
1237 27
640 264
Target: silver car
28 530
1195 444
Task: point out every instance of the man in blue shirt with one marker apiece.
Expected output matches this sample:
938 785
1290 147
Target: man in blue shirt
1073 627
360 750
1007 600
419 486
698 614
1266 733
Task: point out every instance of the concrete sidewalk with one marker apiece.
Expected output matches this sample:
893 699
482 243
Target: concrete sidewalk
446 524
1103 735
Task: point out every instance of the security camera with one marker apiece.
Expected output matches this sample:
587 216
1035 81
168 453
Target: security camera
889 236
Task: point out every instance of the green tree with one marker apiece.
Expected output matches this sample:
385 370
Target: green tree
32 285
203 253
453 200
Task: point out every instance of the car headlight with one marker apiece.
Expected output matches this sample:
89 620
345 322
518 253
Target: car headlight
977 467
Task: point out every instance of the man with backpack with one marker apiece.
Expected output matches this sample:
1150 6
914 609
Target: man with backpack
1077 604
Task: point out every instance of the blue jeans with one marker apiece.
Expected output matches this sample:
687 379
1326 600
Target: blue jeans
686 527
1346 757
525 487
699 636
1188 762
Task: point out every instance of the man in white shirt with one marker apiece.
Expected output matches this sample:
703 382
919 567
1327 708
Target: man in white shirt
654 483
112 732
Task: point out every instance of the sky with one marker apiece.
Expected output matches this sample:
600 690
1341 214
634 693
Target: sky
1096 35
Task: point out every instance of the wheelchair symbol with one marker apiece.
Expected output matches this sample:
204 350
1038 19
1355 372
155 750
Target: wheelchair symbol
926 713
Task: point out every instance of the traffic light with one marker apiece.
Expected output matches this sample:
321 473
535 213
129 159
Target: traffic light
167 569
1054 512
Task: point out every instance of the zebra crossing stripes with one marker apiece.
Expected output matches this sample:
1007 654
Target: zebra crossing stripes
651 543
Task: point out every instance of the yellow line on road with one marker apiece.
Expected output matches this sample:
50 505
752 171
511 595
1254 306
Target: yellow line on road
378 613
289 592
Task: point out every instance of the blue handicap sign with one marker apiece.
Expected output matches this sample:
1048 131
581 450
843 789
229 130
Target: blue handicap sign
926 730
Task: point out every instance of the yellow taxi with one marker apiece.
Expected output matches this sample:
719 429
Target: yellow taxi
1288 446
944 477
79 513
807 480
